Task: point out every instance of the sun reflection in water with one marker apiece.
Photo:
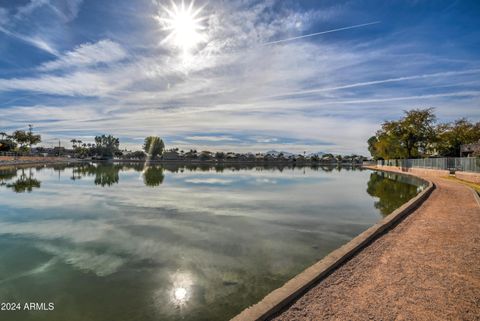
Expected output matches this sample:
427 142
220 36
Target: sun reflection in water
181 290
180 294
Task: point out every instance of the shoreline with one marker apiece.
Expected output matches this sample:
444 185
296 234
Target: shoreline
39 161
278 299
61 160
422 269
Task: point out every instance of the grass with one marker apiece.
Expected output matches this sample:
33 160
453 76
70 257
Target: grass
461 181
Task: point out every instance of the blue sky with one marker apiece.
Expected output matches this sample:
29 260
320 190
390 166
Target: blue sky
76 68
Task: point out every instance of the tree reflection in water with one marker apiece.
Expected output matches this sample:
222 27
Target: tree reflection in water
25 183
108 174
105 174
7 174
153 176
392 190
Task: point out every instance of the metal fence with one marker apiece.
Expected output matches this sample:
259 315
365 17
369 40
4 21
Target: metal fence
8 154
464 164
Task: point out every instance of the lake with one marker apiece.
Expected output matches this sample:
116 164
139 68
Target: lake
135 242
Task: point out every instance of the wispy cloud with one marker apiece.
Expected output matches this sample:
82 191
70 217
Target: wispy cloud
209 181
212 138
31 40
31 6
65 9
87 54
3 16
234 92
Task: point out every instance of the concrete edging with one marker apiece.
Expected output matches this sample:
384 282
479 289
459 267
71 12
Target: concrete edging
281 297
476 195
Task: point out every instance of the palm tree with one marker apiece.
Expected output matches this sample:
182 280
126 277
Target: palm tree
74 143
3 134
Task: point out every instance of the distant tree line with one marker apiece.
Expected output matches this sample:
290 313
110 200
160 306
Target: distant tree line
417 134
104 146
108 146
19 141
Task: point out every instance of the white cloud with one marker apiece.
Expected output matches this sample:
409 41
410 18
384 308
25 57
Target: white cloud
212 181
266 140
67 10
34 40
30 7
3 16
329 92
103 51
212 138
79 83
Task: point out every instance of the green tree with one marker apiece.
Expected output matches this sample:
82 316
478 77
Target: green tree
106 146
32 138
138 154
6 143
21 137
412 136
451 136
153 146
372 147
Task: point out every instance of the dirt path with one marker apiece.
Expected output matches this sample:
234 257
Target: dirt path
426 268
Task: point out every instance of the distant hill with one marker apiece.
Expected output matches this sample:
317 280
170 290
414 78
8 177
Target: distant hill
276 153
316 153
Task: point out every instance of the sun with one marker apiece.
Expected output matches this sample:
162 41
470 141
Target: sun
184 26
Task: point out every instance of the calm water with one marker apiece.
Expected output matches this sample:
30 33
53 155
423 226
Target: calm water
124 242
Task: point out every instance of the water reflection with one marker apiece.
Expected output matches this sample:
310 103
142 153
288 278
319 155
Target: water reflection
153 176
392 190
107 174
202 244
7 174
25 182
182 288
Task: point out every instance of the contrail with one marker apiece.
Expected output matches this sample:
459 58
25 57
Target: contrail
321 33
377 82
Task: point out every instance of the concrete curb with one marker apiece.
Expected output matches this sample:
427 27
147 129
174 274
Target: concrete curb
29 164
476 195
301 283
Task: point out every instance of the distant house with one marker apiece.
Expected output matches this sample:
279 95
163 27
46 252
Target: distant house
206 155
269 157
192 154
470 150
250 157
231 156
58 151
171 155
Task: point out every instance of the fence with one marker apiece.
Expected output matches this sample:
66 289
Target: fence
464 164
10 154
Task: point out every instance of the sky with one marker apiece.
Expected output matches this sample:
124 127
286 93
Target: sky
236 75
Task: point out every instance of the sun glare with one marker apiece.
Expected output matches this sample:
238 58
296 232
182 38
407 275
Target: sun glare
184 25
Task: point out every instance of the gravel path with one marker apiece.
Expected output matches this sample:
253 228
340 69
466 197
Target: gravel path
426 268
